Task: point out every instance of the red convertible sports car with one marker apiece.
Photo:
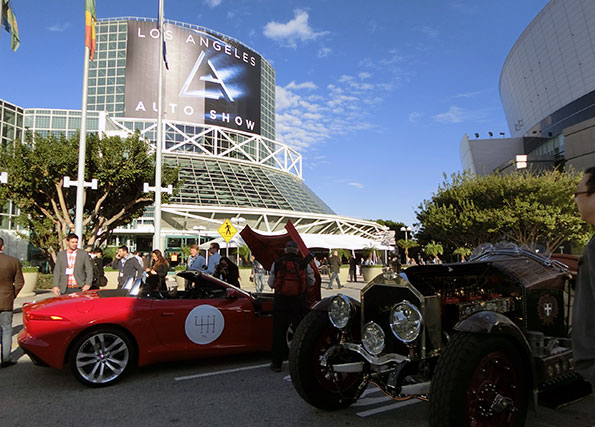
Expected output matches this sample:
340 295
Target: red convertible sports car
102 334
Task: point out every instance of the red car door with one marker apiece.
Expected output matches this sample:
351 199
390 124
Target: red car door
203 326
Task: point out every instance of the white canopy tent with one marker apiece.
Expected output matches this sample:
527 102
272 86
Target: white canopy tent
327 241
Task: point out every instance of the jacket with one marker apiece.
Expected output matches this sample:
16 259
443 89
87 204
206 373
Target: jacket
129 267
11 281
83 270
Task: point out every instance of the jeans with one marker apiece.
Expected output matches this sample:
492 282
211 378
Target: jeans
6 328
334 276
259 282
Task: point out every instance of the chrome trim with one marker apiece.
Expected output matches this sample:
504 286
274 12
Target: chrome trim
349 367
356 348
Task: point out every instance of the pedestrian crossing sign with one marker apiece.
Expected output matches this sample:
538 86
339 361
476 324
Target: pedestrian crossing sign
227 230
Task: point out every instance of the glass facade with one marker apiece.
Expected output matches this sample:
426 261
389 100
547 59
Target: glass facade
215 182
11 122
59 122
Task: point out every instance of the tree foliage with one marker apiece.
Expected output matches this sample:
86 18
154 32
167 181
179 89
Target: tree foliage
36 170
434 249
407 244
524 208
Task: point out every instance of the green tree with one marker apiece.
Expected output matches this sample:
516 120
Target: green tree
434 249
462 252
36 170
522 207
407 244
244 252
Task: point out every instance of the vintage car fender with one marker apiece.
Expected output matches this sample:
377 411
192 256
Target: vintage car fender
490 322
323 304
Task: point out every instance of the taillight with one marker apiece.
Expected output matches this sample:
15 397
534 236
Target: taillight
36 316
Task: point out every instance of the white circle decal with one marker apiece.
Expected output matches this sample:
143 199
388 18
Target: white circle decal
204 324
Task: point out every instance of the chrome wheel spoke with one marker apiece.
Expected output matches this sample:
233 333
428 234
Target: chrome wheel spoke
102 358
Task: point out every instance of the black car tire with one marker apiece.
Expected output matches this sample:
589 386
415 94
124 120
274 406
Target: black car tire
101 356
479 380
319 386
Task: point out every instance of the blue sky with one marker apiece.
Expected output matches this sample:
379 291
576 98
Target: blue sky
375 95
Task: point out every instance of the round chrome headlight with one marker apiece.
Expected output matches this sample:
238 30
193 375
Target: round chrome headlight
373 338
339 311
405 321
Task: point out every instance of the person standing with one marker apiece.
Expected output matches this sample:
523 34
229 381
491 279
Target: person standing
157 273
128 266
290 275
99 279
335 266
352 268
11 283
257 275
214 257
73 271
583 319
196 262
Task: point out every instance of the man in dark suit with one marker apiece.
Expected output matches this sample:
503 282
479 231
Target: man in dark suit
73 271
11 282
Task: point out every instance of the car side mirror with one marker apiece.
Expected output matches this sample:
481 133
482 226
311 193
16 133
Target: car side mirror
231 294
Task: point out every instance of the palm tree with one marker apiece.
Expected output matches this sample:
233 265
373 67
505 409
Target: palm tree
463 252
434 249
407 244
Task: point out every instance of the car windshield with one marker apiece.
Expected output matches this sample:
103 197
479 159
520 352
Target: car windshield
486 250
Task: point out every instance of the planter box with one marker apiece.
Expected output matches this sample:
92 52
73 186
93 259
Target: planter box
112 279
369 272
30 283
344 274
245 282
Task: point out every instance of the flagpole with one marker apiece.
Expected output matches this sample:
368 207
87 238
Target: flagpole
80 188
159 143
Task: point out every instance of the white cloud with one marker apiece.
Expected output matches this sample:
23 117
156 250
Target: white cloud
364 75
323 52
415 117
305 85
429 31
213 3
58 28
297 29
471 94
453 115
356 184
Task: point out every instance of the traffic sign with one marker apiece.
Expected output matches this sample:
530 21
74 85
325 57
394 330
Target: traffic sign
227 230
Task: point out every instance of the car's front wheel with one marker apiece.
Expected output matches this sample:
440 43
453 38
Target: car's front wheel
319 385
479 381
101 357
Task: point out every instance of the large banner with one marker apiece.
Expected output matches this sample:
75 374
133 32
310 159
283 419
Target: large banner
210 80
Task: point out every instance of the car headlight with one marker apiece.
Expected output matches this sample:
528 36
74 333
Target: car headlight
339 311
373 338
405 321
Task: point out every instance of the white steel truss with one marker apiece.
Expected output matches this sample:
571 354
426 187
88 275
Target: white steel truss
213 141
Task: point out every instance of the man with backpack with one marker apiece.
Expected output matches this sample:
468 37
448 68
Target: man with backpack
290 275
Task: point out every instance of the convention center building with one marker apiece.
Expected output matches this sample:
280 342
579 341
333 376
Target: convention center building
547 88
219 130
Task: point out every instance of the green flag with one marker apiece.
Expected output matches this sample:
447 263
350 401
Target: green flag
9 22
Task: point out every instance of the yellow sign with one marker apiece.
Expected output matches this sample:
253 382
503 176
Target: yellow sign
227 230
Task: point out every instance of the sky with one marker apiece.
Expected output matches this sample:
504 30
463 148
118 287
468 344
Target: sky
376 95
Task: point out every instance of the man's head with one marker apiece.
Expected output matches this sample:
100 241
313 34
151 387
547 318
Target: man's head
335 253
72 241
193 250
98 252
123 251
214 248
585 196
291 247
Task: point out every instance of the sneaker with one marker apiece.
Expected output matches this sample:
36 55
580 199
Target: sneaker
329 288
275 368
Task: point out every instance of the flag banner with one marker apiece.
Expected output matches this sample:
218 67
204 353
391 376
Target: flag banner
90 21
9 22
159 17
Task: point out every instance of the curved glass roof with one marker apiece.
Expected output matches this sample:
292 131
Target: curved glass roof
217 182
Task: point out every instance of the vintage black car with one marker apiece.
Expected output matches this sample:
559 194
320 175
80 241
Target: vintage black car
480 339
